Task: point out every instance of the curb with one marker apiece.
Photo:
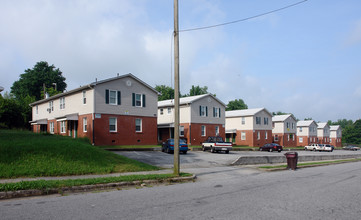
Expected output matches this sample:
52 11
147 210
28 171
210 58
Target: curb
88 188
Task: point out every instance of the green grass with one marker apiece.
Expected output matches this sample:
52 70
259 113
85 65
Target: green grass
313 163
51 184
26 154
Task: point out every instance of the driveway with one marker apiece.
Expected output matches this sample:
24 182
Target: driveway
200 159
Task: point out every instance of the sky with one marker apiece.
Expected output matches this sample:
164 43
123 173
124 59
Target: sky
304 60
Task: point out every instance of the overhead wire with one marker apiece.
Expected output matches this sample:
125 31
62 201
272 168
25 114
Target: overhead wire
243 19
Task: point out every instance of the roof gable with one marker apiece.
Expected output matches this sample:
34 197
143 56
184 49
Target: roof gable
187 100
246 112
282 118
305 123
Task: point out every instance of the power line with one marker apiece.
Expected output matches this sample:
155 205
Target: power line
244 19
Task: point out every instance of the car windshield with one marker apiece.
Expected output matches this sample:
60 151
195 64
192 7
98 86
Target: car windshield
181 141
219 139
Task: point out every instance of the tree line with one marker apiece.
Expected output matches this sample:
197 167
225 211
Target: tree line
43 78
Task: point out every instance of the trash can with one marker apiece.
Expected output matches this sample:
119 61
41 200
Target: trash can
292 158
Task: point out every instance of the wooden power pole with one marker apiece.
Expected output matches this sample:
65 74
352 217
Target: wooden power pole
176 89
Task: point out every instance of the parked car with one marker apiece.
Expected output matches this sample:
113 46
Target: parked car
327 147
216 144
271 147
168 146
351 147
314 147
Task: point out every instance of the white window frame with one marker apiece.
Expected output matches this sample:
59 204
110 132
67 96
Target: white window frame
300 129
84 97
138 100
114 98
203 131
265 120
276 137
62 102
258 120
258 135
115 124
181 131
138 124
266 135
37 109
217 112
217 130
203 111
243 136
85 125
300 139
62 127
243 120
51 125
51 106
169 110
161 111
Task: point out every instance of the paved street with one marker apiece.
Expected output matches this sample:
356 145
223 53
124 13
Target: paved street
197 159
327 192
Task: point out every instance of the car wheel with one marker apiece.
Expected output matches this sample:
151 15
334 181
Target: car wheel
260 149
168 150
279 151
162 149
270 150
227 151
305 149
314 149
212 150
185 152
203 148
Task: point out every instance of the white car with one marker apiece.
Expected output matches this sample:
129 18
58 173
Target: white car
314 147
327 147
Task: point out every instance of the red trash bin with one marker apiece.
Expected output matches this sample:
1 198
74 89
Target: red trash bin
292 158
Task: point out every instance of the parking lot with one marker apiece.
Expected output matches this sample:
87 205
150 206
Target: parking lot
200 159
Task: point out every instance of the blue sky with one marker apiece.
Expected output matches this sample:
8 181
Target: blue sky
304 60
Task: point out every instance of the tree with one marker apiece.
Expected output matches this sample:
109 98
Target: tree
197 90
33 80
279 113
10 112
352 134
166 92
236 104
306 119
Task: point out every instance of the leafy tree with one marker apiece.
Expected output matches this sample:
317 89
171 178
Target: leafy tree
236 104
10 112
31 82
342 122
166 92
352 134
279 113
306 119
197 90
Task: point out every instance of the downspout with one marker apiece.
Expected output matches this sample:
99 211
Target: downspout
93 114
190 124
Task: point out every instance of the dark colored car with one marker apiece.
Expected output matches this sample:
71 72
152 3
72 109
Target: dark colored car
351 147
271 147
168 146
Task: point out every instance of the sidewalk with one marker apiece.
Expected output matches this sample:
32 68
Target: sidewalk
89 176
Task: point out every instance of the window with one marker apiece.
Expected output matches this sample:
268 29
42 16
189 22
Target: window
216 112
112 124
266 135
51 106
51 127
243 136
300 129
62 103
293 137
112 97
37 109
161 111
258 120
181 131
85 124
138 100
288 137
293 125
217 130
287 125
300 140
62 126
258 135
203 130
138 125
276 137
203 111
84 97
265 120
169 110
243 120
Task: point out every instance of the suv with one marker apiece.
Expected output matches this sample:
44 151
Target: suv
314 147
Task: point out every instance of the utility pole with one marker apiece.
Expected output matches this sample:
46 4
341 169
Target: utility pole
176 90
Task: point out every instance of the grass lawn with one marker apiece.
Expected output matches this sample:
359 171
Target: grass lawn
26 154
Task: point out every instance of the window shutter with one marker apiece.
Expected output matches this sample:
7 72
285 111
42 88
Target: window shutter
143 100
119 101
206 111
214 112
219 109
200 110
133 99
106 96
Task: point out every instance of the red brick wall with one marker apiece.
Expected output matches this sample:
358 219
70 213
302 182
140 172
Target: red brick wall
126 134
337 142
196 137
307 140
283 140
89 132
252 138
